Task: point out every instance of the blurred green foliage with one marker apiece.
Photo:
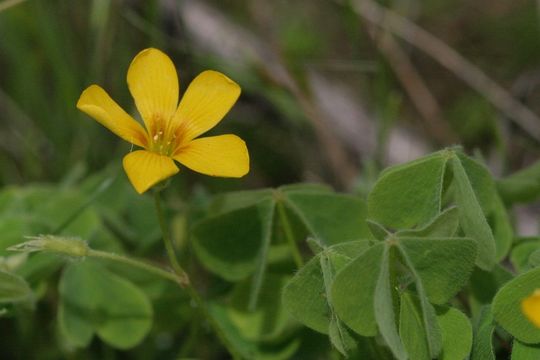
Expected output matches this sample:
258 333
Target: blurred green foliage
54 159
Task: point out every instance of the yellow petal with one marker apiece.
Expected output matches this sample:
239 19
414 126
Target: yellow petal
95 102
145 169
224 155
206 101
531 308
153 83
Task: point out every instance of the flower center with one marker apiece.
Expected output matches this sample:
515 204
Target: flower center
162 139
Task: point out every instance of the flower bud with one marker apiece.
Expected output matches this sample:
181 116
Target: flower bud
56 244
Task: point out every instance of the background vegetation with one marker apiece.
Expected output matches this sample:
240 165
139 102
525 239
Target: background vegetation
332 93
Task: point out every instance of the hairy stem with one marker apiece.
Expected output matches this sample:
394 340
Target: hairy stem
135 263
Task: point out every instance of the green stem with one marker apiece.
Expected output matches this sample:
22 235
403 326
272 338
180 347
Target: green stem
287 229
136 263
185 282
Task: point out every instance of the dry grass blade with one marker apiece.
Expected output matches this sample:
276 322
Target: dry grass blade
4 5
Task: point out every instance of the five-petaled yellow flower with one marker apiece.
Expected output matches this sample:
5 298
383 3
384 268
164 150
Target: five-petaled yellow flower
171 128
531 307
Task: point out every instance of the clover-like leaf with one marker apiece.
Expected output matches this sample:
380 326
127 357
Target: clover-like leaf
521 351
13 288
245 348
482 348
353 291
331 218
503 233
229 244
457 334
269 318
519 257
507 306
93 300
444 265
384 307
411 328
432 333
235 240
472 217
302 294
444 225
408 195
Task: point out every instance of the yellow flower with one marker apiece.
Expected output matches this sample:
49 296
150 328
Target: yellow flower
531 308
171 128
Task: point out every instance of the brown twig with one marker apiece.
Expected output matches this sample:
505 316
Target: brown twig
452 60
422 98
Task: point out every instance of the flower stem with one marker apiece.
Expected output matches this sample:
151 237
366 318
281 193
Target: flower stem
184 278
136 263
185 282
287 229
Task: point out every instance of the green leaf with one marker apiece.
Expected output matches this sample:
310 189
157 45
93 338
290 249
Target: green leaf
444 225
353 291
235 251
384 307
302 294
411 328
331 218
378 231
340 337
472 217
13 288
235 200
330 264
408 195
521 351
534 259
93 300
249 349
269 319
481 182
55 206
503 232
484 285
432 331
302 297
14 228
39 267
230 244
521 253
41 209
456 333
482 348
444 265
507 307
522 186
